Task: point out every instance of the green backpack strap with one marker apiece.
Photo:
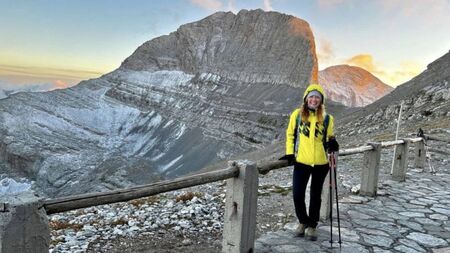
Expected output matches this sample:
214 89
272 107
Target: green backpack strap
298 122
326 122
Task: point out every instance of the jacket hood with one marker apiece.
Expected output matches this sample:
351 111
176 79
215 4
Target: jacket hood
315 87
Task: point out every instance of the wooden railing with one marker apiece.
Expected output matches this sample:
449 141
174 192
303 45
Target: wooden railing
242 189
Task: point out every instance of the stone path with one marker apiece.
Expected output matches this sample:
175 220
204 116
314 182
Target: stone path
411 216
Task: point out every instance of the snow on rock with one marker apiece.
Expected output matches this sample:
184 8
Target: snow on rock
10 186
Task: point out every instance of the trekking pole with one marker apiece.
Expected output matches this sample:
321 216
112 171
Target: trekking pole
427 153
331 205
333 164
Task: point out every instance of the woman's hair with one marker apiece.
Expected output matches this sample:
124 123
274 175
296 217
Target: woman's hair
305 112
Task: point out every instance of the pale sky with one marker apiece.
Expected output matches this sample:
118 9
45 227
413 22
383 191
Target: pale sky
63 42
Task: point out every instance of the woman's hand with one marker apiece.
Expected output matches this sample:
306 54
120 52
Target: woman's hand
332 145
289 158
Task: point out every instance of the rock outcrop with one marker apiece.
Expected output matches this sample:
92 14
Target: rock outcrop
352 86
252 46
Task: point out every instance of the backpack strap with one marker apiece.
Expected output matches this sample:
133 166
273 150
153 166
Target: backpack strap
326 122
298 123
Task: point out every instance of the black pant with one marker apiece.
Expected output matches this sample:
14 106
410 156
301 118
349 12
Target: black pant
301 176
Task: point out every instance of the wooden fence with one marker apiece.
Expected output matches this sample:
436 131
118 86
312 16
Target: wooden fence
242 189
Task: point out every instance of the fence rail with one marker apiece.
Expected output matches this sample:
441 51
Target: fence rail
100 198
242 191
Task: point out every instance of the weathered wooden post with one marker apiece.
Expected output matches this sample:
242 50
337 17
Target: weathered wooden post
419 154
370 170
23 224
400 161
240 209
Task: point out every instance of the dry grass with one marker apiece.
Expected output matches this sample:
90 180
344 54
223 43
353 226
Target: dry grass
58 225
188 196
147 200
120 221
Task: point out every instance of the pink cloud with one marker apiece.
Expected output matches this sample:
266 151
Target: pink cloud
59 84
431 12
329 3
267 6
325 51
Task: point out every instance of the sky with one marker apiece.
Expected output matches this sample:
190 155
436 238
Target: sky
63 42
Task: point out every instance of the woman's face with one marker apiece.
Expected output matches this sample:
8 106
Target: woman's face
313 101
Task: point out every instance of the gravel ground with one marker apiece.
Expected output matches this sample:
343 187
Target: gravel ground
275 210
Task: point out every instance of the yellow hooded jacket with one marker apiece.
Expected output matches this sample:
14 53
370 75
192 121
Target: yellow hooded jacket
311 150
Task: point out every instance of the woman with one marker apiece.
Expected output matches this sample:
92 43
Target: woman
310 132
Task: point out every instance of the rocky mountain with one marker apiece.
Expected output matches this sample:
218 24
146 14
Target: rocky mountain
214 88
426 104
352 86
252 47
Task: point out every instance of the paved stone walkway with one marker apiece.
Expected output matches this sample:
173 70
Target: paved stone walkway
411 216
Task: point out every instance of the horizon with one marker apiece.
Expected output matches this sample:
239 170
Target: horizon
39 49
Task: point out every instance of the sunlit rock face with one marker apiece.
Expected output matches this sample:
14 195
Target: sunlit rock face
352 86
214 88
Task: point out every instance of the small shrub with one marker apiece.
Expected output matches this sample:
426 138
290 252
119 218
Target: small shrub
120 221
188 196
147 200
58 225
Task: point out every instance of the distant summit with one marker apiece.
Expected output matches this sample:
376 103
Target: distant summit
352 86
425 104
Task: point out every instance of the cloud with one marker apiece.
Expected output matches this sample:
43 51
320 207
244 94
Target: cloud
47 73
267 6
7 88
59 84
209 5
425 12
393 76
329 3
364 61
232 6
325 51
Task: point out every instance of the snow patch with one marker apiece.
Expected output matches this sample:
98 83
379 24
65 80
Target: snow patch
10 186
165 167
168 123
163 78
210 77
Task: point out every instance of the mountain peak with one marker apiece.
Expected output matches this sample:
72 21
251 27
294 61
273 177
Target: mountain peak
250 46
352 86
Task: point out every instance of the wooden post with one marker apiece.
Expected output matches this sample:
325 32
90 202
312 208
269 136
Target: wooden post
400 161
396 133
370 170
23 224
240 209
419 154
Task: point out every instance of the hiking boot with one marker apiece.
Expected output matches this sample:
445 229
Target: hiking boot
300 231
311 234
